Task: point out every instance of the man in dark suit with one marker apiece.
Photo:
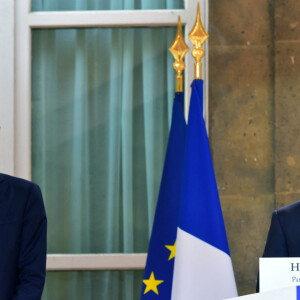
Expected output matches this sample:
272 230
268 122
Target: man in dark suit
284 234
23 227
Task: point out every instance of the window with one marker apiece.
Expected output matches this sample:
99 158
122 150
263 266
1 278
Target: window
93 94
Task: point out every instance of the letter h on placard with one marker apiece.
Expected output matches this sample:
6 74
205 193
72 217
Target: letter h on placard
294 266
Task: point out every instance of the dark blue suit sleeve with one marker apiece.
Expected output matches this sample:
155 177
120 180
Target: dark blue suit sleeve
32 257
276 245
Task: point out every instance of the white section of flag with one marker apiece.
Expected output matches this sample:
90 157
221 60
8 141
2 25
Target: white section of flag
201 271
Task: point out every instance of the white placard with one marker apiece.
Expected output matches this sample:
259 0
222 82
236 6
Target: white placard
276 273
289 293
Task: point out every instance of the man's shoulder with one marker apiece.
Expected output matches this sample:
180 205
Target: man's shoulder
20 194
290 213
291 208
16 182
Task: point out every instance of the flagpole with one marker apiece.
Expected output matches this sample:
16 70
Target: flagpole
198 36
178 49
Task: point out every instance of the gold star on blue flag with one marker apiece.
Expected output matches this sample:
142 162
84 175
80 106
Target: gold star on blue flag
151 284
172 249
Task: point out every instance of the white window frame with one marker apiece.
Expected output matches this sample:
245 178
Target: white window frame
17 21
7 86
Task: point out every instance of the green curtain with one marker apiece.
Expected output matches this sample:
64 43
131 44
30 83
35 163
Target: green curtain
101 108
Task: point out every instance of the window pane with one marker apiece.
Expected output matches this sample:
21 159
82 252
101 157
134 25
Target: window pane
94 285
64 5
101 107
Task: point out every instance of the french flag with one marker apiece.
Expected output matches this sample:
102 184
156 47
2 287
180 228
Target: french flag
202 268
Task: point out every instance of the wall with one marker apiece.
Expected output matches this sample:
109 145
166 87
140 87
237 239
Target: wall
254 119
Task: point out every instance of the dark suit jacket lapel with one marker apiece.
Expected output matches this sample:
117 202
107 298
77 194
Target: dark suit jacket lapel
1 177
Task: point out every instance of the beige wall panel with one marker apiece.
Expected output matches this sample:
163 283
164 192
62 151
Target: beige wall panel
241 120
242 126
287 20
287 118
240 22
247 220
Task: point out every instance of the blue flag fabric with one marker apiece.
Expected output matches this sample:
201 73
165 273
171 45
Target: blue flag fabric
158 275
201 214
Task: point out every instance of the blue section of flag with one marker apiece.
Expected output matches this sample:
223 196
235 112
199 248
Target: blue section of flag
166 217
200 213
298 292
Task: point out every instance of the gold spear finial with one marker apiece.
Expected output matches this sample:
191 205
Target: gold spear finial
198 36
179 48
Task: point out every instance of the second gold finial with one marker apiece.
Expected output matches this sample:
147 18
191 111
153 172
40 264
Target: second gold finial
198 36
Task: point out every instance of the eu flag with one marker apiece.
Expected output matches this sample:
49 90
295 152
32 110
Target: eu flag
203 268
157 283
